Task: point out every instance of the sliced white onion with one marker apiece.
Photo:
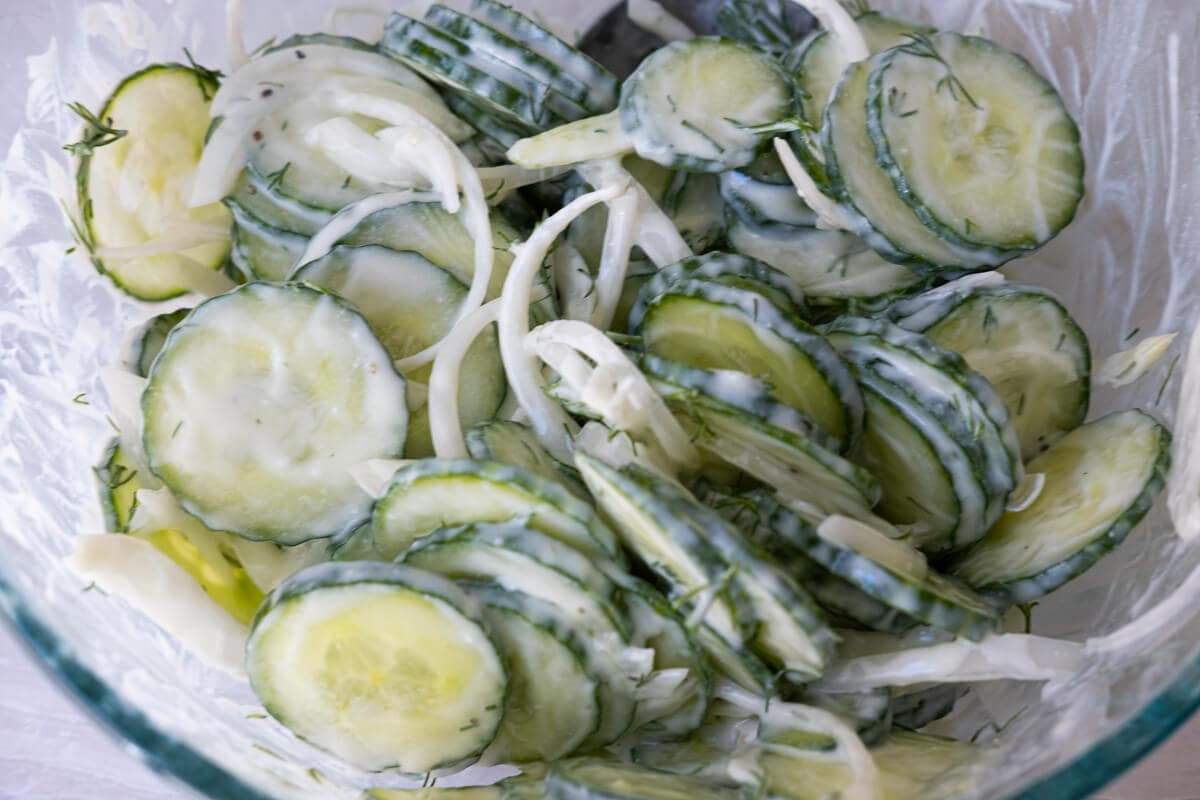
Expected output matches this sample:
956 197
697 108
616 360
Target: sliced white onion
870 543
349 217
829 216
551 425
844 31
235 42
1010 656
1125 367
444 424
616 449
649 15
374 475
656 233
426 151
1027 491
365 157
614 261
500 182
573 279
180 239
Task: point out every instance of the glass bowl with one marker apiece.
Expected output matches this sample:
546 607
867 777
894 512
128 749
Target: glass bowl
1125 267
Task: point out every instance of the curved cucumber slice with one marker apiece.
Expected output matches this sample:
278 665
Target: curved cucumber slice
261 200
117 480
261 251
382 665
512 443
1023 341
433 494
552 699
163 111
866 195
693 202
597 779
817 66
836 572
694 104
261 402
832 268
976 142
710 326
759 203
147 343
504 132
1101 479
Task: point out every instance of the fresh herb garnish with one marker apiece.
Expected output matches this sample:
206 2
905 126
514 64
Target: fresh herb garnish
97 133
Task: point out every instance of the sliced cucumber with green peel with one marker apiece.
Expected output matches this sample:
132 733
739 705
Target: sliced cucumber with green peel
599 779
693 202
603 85
260 251
765 204
482 37
696 104
505 132
587 139
976 142
835 572
523 560
262 200
867 197
383 665
712 266
552 703
941 383
762 23
261 402
431 494
677 382
736 662
833 269
817 63
512 443
760 339
1101 479
358 545
1023 341
147 342
132 185
117 480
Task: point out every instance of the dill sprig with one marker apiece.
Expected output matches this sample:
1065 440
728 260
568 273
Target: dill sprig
921 46
97 133
205 78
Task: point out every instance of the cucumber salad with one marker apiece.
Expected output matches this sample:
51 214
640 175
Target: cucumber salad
673 436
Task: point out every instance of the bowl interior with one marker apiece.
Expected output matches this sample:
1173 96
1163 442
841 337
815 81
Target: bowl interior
1124 268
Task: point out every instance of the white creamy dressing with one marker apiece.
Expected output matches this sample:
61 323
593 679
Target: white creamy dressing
135 571
650 15
1127 366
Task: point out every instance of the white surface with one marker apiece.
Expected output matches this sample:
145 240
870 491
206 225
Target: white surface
51 750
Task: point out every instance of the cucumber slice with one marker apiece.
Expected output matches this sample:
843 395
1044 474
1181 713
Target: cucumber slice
760 339
432 494
693 202
696 578
260 251
359 545
484 38
654 624
867 197
915 707
522 560
503 132
132 191
976 142
834 269
762 23
601 83
836 573
765 204
798 467
696 104
382 665
715 266
735 662
817 65
118 483
964 403
512 443
263 201
1101 479
259 404
930 486
552 704
147 342
1023 341
675 381
598 779
588 139
448 62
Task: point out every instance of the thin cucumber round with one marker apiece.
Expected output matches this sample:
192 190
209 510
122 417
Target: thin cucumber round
760 339
976 142
834 269
432 494
261 251
261 402
118 483
695 104
1101 479
512 443
598 779
504 132
817 65
1023 341
762 23
162 114
147 342
693 202
383 665
765 204
257 196
552 698
835 573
